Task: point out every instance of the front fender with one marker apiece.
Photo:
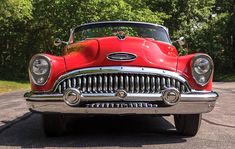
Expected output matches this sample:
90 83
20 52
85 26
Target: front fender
57 69
184 67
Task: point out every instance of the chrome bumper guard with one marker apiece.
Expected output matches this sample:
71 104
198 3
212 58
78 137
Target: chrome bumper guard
189 103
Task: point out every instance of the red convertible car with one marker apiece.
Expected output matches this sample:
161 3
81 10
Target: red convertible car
122 68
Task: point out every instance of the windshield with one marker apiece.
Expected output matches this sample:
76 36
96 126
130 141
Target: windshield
112 29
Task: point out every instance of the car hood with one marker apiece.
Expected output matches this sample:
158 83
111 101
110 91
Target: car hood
94 52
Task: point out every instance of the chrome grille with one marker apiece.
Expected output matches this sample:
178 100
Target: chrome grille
111 82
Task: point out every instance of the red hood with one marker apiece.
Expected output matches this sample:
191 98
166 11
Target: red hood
93 53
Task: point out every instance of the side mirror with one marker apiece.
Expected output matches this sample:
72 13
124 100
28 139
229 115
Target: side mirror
58 42
181 46
181 41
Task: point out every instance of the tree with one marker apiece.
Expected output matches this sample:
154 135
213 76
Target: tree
30 26
14 16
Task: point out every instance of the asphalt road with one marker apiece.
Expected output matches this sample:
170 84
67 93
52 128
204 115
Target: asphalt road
21 129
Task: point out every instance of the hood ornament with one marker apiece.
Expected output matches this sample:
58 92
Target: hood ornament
121 56
121 35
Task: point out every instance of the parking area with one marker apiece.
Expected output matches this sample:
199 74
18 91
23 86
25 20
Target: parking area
21 129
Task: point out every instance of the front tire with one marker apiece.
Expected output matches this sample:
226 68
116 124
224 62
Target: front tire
53 124
188 124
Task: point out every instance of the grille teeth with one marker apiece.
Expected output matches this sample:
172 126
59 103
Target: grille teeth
121 105
131 83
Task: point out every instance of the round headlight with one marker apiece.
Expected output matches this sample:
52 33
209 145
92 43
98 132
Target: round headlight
40 66
202 67
39 69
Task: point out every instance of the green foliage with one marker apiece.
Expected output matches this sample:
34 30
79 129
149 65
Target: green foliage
14 17
15 10
54 18
30 26
208 26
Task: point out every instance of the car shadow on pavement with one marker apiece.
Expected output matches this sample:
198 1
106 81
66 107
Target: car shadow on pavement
7 124
99 131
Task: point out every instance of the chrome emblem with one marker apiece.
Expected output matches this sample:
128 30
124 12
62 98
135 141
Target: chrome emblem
121 35
121 56
121 93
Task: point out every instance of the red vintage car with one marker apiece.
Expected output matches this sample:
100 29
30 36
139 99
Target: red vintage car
121 68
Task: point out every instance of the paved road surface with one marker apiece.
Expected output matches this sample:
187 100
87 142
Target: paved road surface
20 129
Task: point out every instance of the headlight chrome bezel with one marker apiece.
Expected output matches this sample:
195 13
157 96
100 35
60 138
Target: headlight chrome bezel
207 75
33 76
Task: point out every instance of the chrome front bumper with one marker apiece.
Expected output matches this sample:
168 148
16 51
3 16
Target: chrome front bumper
190 103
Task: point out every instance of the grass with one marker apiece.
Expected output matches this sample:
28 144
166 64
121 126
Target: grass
225 77
8 86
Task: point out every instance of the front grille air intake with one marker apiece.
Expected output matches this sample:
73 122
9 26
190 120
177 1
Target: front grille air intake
111 82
